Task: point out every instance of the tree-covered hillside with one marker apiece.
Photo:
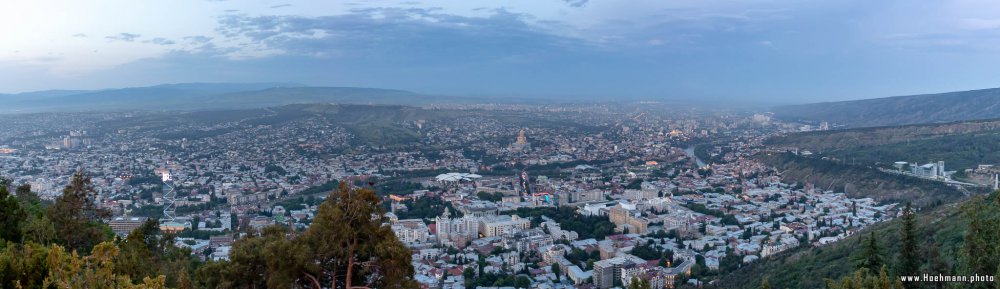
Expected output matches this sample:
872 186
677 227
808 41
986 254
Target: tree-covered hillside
954 239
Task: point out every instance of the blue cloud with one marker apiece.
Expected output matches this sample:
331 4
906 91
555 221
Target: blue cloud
409 35
198 39
576 3
160 41
127 37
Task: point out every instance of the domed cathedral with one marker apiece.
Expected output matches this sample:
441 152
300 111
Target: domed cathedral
521 144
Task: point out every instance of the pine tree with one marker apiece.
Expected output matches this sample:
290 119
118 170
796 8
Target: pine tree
909 262
980 246
937 265
76 216
871 259
12 214
883 279
136 258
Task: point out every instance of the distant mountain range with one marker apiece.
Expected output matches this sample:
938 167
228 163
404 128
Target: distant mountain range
900 110
201 96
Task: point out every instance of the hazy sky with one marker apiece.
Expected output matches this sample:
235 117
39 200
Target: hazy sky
773 50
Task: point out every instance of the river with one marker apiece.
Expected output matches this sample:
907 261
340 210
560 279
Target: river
690 153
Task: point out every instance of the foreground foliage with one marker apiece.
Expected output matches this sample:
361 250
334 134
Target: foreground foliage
347 245
67 245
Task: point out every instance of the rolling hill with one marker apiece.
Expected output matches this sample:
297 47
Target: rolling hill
205 96
961 145
899 110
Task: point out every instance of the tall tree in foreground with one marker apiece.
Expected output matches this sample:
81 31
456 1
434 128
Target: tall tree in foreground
348 245
979 251
353 246
76 217
138 252
36 227
871 259
12 214
909 262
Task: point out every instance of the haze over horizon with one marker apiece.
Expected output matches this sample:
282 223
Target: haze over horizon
774 51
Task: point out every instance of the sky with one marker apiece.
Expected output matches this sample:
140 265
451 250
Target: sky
781 51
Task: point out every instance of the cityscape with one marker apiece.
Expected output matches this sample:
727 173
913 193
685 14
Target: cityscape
483 144
475 185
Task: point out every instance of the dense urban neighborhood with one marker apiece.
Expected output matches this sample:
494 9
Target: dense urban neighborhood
483 144
575 196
